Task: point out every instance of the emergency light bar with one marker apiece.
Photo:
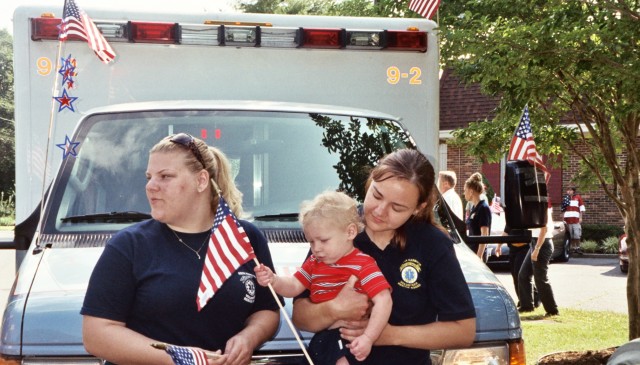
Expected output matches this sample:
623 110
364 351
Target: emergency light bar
243 35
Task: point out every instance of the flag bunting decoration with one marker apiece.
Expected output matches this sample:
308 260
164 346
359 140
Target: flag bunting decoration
186 356
426 8
523 147
75 22
228 249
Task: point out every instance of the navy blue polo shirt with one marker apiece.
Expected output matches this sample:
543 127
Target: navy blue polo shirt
479 216
148 280
427 285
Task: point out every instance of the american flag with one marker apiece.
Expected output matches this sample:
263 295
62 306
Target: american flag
186 356
229 247
495 205
76 22
523 147
426 8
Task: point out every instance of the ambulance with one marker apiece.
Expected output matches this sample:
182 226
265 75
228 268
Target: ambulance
299 104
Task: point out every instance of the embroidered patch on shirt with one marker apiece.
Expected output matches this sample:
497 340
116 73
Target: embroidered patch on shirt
409 271
250 286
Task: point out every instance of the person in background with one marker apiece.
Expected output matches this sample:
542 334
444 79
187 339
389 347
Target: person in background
144 286
573 218
432 305
330 223
446 184
536 265
479 220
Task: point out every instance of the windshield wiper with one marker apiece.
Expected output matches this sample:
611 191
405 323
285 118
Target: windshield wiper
112 217
277 217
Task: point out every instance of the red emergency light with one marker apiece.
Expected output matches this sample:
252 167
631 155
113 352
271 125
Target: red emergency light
48 28
322 38
406 40
153 32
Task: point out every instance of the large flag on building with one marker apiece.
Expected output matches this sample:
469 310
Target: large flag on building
229 248
76 22
426 8
523 147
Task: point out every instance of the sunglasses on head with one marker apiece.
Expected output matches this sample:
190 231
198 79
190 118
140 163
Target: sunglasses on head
186 140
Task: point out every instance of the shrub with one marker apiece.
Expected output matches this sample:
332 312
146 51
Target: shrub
589 246
610 245
7 205
7 221
600 232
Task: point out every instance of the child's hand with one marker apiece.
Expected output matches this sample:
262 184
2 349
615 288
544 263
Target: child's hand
264 275
361 347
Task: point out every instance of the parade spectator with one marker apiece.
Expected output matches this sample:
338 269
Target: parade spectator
573 218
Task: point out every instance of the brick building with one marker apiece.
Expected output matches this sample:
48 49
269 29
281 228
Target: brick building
461 104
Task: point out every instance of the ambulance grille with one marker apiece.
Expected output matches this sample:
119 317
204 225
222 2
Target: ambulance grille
74 240
284 235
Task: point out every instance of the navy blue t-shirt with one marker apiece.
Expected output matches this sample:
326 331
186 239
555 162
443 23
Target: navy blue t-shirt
147 279
427 286
480 216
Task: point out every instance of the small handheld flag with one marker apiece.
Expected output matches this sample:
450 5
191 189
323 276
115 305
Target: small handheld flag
185 355
228 249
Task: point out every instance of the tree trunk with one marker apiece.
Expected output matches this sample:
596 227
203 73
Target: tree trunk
633 278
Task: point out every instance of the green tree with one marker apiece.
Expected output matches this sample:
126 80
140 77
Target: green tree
7 127
570 61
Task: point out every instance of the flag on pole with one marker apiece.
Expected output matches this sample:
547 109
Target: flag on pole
426 8
495 207
523 147
228 249
75 22
186 356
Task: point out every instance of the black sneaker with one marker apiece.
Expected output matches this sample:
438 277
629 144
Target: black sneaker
525 310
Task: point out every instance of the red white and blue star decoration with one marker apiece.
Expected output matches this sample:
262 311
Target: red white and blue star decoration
68 71
68 147
66 101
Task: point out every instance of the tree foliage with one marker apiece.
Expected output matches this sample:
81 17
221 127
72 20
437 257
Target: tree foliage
7 125
575 62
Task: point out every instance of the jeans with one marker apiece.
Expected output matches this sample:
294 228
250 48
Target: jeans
539 271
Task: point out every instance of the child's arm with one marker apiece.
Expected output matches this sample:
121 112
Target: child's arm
287 286
361 346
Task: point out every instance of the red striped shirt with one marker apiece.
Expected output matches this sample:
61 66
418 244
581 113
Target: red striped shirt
326 280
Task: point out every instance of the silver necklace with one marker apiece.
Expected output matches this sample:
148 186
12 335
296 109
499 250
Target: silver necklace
197 252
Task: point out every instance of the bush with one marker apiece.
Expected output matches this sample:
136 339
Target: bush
600 232
7 209
589 246
610 245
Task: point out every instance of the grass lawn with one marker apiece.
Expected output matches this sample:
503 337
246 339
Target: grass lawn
572 330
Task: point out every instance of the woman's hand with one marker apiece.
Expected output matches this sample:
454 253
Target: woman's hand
237 352
350 330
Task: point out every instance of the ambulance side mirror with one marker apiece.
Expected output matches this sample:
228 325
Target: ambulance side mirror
525 196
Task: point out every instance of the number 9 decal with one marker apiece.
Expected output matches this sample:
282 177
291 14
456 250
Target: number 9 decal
44 66
393 75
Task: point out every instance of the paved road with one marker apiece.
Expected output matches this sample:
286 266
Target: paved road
7 271
582 283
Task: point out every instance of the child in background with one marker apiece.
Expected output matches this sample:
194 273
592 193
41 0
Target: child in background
330 223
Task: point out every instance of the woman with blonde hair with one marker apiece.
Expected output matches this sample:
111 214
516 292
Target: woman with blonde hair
479 220
144 287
